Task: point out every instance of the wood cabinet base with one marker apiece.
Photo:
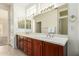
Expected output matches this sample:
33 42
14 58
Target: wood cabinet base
34 47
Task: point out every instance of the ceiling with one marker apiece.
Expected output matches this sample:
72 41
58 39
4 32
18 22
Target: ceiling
7 5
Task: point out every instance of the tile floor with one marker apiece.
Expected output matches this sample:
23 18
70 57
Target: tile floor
7 50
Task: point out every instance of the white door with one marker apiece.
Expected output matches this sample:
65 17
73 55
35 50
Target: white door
4 27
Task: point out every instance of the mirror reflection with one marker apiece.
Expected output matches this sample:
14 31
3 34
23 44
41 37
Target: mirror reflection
50 20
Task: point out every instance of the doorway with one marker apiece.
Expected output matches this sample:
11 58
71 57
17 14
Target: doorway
38 27
4 27
63 26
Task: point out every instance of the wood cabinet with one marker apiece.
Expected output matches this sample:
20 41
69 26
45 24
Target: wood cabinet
62 50
20 42
17 41
50 49
28 46
25 45
35 47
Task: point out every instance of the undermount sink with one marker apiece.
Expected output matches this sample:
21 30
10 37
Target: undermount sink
52 38
42 36
45 37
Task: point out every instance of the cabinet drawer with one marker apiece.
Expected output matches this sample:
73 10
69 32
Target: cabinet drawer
21 37
29 49
25 38
29 45
29 52
25 49
25 43
29 40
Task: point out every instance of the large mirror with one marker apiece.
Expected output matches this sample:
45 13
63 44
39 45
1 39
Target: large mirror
24 24
28 24
21 24
55 20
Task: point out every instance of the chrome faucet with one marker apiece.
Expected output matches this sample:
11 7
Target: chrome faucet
50 35
51 32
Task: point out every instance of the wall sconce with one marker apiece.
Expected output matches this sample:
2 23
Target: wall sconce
73 18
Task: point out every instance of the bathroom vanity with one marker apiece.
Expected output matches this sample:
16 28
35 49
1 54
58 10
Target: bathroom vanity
40 45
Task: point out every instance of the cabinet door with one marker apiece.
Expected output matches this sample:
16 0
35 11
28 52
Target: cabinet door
21 43
37 45
61 51
17 41
30 47
25 45
50 49
21 46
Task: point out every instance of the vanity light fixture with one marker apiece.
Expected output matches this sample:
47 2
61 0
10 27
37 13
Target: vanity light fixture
47 9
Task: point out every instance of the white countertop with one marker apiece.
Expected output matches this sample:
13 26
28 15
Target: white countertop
57 39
